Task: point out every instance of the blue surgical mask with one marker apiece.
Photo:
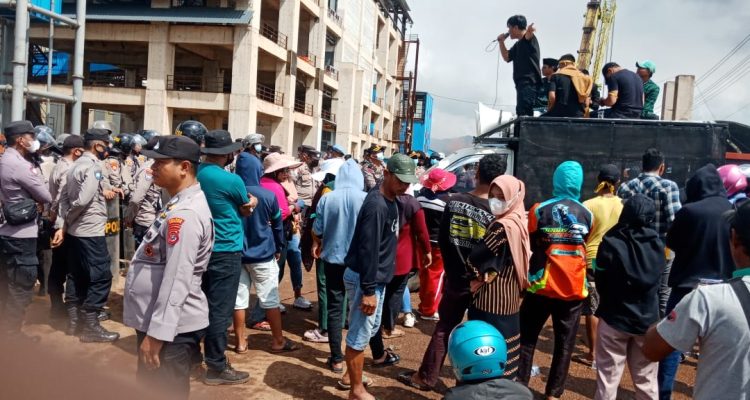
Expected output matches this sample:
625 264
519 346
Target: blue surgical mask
258 148
434 161
380 156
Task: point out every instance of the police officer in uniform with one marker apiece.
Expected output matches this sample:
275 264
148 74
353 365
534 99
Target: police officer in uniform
145 201
372 167
163 301
21 186
83 207
72 149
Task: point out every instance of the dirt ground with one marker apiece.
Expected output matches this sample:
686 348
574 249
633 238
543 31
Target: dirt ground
302 374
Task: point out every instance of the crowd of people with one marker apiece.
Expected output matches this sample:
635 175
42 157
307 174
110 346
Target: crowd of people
213 216
558 88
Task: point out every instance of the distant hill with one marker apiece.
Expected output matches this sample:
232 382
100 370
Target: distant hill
449 145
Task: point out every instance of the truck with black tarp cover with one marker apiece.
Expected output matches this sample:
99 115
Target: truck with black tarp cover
534 147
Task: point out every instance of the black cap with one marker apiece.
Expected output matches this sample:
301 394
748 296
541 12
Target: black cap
18 128
739 219
96 134
609 173
176 147
374 148
72 142
219 142
550 62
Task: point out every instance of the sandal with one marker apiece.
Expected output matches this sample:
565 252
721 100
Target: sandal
262 326
337 370
405 378
367 382
581 359
391 358
288 346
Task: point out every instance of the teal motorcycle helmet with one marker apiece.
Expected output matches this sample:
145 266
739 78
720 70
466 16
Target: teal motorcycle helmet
477 351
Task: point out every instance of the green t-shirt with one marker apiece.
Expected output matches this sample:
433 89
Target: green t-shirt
650 93
225 193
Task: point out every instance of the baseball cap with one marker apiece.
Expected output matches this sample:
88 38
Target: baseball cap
609 173
338 149
176 147
97 134
403 167
647 64
72 142
18 128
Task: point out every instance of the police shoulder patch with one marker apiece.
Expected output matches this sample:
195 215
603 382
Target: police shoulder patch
98 175
114 164
173 230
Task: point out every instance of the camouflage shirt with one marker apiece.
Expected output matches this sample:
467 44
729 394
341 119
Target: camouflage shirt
373 174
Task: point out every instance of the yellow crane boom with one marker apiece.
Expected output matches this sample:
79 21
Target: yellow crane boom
597 27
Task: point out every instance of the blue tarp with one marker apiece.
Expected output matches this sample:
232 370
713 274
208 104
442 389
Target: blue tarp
61 64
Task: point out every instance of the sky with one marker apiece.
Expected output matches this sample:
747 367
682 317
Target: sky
683 37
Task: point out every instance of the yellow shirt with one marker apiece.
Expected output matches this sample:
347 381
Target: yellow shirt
606 211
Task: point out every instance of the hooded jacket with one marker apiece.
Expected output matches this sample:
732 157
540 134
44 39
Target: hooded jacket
558 229
247 166
264 230
699 235
336 213
629 263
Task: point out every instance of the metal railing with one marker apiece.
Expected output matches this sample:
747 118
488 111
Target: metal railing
328 93
328 116
301 107
308 58
113 79
273 34
332 72
265 93
332 14
196 83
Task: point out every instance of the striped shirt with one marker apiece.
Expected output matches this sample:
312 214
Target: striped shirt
433 207
502 296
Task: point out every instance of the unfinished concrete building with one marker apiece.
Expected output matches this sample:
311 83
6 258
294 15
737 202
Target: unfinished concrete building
314 72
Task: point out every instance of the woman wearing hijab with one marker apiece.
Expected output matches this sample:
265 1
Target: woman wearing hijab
500 266
629 265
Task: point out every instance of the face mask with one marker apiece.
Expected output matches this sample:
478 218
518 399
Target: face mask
314 163
101 154
434 161
497 206
416 162
380 156
34 146
258 148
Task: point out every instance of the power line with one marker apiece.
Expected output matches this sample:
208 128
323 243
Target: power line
700 93
738 110
718 88
723 79
467 101
724 59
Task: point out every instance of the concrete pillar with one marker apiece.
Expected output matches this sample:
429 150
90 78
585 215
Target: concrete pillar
242 100
667 102
348 108
130 77
156 115
212 76
289 22
683 97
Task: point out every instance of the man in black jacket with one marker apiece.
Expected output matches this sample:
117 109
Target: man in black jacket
699 236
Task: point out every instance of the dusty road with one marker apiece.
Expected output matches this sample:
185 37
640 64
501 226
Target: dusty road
302 374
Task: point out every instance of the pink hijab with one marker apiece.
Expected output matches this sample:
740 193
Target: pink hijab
516 226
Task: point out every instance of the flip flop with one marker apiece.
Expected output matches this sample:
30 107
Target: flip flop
394 334
582 360
367 382
288 346
240 350
405 378
262 326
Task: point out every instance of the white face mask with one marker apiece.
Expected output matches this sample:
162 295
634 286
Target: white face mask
258 148
497 206
34 146
380 156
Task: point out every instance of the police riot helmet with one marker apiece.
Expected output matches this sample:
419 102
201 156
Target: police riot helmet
147 134
45 135
477 351
192 129
106 125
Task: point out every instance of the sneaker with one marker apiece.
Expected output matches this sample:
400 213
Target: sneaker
229 376
282 309
433 317
409 320
316 336
302 303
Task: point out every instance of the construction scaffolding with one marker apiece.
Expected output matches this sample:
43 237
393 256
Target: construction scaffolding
25 11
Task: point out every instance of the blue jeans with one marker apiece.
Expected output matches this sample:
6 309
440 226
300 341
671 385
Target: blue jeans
294 259
362 327
668 366
220 284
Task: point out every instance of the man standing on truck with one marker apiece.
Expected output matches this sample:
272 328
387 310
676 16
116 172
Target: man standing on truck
569 90
525 56
624 92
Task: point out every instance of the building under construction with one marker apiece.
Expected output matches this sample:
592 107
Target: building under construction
311 72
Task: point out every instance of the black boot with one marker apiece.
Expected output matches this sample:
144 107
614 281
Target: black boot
73 319
93 331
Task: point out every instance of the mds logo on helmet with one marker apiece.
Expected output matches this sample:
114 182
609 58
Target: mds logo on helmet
485 351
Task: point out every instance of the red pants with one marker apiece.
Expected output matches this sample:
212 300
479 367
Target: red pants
431 284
